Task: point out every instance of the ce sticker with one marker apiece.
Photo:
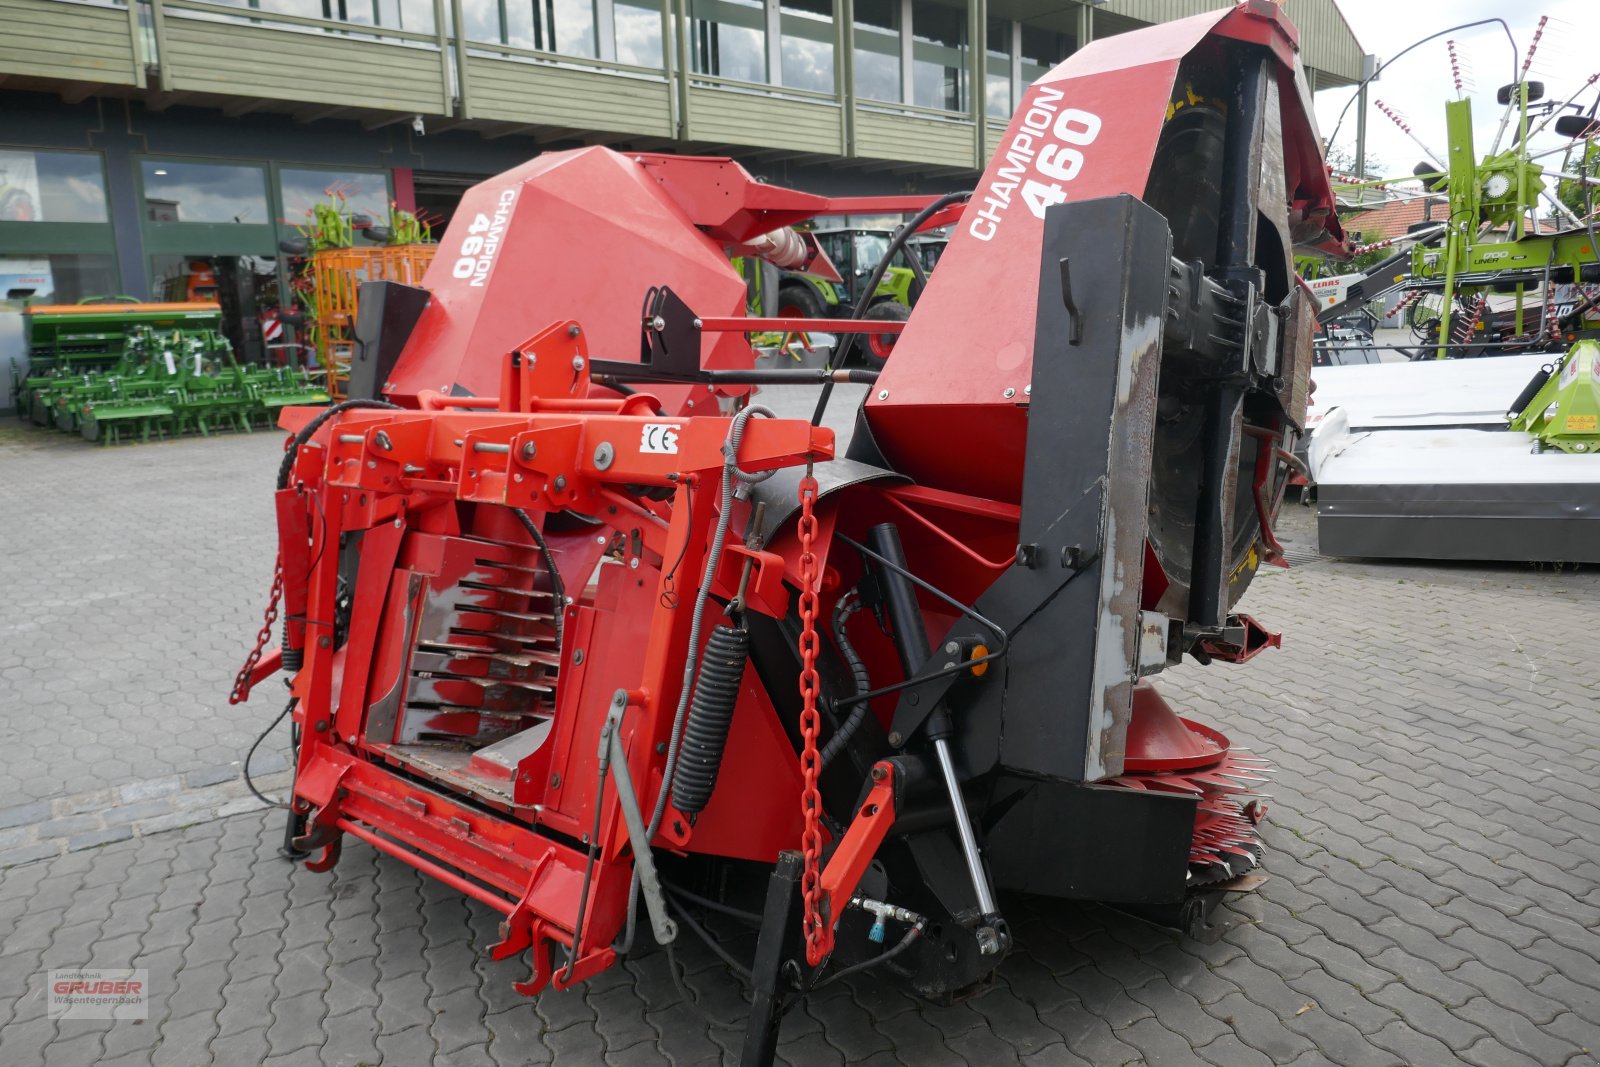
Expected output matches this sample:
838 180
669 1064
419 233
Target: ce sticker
660 438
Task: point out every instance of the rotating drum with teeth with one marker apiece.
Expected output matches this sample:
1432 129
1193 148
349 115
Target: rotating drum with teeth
1168 753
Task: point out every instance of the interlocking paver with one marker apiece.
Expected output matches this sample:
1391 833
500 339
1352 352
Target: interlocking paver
1430 900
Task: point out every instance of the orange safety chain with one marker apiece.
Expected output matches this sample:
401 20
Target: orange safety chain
818 931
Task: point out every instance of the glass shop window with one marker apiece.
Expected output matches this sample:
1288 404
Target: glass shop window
638 29
807 35
938 56
562 26
877 51
997 102
64 279
24 280
51 186
204 192
361 193
1041 50
730 39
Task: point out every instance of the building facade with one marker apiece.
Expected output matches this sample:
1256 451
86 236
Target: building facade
150 146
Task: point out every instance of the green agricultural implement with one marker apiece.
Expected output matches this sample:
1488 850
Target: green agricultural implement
190 383
1563 411
114 372
70 344
1484 243
1497 194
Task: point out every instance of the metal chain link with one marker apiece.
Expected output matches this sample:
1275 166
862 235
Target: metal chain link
241 682
818 931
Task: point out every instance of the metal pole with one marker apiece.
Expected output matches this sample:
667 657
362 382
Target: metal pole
978 73
1369 64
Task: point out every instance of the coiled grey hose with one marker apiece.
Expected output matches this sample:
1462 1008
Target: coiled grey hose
691 662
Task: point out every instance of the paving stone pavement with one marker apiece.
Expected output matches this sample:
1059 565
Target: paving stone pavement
134 577
1434 842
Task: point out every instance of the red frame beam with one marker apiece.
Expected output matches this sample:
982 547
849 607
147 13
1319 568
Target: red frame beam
749 324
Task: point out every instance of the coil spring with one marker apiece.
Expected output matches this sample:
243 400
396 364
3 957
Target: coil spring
716 691
293 658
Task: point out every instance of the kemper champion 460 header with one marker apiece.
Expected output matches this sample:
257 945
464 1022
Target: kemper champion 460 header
576 627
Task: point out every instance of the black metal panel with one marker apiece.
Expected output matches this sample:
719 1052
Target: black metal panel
1060 705
1084 842
387 313
778 941
1522 522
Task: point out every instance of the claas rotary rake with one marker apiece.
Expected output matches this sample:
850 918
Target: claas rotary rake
577 627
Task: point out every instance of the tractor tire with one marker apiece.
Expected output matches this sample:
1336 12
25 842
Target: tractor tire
799 302
879 345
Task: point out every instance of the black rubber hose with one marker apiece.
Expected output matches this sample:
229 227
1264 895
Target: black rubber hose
244 768
716 691
619 387
559 610
897 242
876 961
848 605
287 466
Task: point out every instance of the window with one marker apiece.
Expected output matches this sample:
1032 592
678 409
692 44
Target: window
1041 50
416 15
877 51
480 19
64 279
564 26
310 9
730 39
938 56
870 249
363 193
836 247
997 102
245 286
807 36
204 192
55 279
51 186
638 26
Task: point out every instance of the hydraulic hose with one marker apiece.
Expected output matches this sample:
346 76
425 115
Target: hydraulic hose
848 605
559 610
287 466
896 243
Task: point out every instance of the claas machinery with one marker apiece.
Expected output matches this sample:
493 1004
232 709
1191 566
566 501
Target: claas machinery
576 626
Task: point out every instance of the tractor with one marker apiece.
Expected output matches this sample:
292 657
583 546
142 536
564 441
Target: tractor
857 255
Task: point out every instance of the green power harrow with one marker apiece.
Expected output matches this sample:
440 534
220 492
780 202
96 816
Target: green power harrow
163 383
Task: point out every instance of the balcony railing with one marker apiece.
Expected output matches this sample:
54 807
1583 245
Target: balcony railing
210 48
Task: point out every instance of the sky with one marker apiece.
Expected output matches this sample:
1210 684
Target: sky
1419 83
